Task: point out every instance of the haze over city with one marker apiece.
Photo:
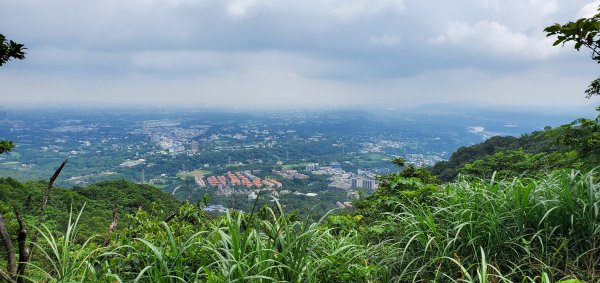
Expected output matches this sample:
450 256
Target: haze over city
286 54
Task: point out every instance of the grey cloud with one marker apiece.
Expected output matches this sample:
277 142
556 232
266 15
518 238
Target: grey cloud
337 51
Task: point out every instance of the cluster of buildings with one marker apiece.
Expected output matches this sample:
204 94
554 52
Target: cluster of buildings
132 163
359 181
173 147
214 181
215 208
171 138
340 179
420 160
312 167
200 181
290 174
244 178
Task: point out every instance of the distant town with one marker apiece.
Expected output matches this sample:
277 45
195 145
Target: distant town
331 157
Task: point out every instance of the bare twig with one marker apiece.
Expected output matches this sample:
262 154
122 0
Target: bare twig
112 227
8 244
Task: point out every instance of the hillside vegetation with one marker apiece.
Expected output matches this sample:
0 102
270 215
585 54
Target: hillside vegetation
542 229
575 145
100 199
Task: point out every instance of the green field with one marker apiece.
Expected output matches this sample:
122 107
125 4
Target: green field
195 173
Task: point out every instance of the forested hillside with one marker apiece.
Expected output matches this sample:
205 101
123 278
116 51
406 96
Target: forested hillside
100 199
575 145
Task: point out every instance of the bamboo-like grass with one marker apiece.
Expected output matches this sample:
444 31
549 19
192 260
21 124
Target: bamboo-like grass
508 230
65 260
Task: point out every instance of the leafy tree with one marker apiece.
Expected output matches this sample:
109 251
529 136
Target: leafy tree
583 32
411 184
8 50
571 146
6 146
399 161
583 135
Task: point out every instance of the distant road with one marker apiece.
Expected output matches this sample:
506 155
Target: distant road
175 190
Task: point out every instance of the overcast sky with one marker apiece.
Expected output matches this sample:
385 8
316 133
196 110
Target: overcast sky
293 53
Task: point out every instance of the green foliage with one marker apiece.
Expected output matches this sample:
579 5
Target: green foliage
164 261
100 199
538 229
399 161
64 260
266 247
409 184
148 249
129 196
583 135
6 146
500 231
510 163
10 50
583 33
575 145
448 170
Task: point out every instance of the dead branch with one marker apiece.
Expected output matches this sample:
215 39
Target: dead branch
47 194
8 244
24 252
112 227
45 202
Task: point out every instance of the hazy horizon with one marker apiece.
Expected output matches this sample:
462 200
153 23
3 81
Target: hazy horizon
452 109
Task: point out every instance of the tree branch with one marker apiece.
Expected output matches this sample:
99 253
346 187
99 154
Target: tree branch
45 202
8 244
112 227
24 252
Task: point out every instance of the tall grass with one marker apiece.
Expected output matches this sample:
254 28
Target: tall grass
241 255
279 249
542 229
166 261
64 260
512 229
240 248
